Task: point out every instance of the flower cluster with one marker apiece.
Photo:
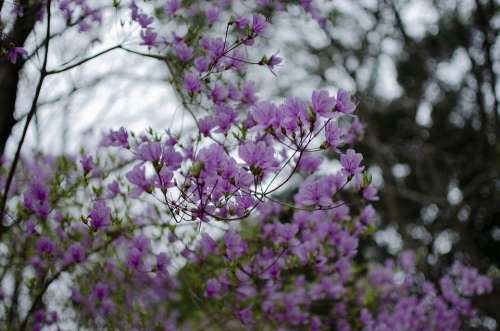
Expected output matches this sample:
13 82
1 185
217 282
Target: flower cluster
238 161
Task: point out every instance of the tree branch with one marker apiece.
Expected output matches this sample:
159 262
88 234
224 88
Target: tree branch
52 72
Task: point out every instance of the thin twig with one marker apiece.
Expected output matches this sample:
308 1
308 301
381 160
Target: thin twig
52 72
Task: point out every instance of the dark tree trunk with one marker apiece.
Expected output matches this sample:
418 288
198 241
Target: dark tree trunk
10 73
9 77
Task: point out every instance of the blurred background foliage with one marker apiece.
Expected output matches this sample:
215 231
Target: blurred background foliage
426 74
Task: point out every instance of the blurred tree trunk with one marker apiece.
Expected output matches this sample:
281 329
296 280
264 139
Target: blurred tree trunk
10 73
9 77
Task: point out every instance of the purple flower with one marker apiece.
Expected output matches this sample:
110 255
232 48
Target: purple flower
340 212
101 291
87 163
323 104
225 117
144 20
248 93
118 138
407 261
100 215
137 176
40 316
351 162
314 192
236 247
295 112
184 52
219 93
242 23
370 193
296 107
259 24
245 315
134 11
213 289
237 59
212 158
114 189
149 151
17 53
193 9
171 159
367 215
334 135
273 61
64 6
45 246
212 14
245 201
306 4
484 285
148 37
142 243
205 125
165 178
208 246
286 233
37 263
310 162
74 254
162 261
327 287
233 93
107 306
134 259
448 289
266 115
202 63
30 228
258 155
36 199
192 83
344 103
172 6
357 127
215 46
